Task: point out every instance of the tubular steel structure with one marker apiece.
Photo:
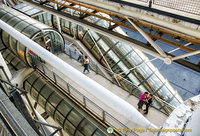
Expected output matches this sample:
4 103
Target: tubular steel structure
91 86
73 120
81 12
133 70
112 100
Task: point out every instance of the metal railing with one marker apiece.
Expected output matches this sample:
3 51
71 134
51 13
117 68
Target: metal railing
125 84
143 0
188 6
85 101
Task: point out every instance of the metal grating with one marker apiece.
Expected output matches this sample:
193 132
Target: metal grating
189 6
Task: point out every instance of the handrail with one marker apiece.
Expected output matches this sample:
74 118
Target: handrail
113 75
82 99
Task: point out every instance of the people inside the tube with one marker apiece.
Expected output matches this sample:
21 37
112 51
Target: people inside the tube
86 64
148 103
143 99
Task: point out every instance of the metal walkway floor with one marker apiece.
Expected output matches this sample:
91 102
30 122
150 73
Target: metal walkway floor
152 115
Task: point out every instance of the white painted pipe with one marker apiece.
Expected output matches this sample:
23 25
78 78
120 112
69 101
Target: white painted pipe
148 38
5 67
186 55
108 98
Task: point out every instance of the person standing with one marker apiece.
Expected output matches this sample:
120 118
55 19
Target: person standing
86 64
148 103
142 100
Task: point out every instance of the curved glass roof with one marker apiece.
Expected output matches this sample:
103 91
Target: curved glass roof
40 33
74 120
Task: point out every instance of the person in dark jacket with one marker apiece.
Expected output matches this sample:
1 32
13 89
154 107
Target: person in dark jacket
142 100
148 103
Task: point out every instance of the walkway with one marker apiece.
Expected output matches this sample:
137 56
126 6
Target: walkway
153 113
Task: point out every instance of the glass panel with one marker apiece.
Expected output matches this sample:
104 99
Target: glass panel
9 58
103 45
30 31
48 19
175 102
99 133
144 70
54 99
24 9
13 21
20 26
34 93
96 52
59 117
50 109
46 91
5 36
81 31
88 40
32 12
6 17
74 117
78 133
69 127
32 78
27 86
165 94
2 12
65 25
41 101
64 108
20 5
38 84
154 82
21 51
13 44
87 128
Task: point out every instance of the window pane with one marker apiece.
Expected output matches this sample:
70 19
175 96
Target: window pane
75 117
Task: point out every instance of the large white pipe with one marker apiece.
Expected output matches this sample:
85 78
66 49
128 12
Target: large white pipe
104 95
5 67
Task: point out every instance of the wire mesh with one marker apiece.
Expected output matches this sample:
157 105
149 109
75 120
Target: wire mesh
189 6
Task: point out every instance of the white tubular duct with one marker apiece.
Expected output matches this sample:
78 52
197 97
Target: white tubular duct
108 98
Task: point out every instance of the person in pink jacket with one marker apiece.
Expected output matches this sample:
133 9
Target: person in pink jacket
143 98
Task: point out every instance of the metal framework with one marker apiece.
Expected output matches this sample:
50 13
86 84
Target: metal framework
88 84
115 20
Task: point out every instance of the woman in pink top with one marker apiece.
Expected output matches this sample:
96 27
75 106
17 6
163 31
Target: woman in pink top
142 100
